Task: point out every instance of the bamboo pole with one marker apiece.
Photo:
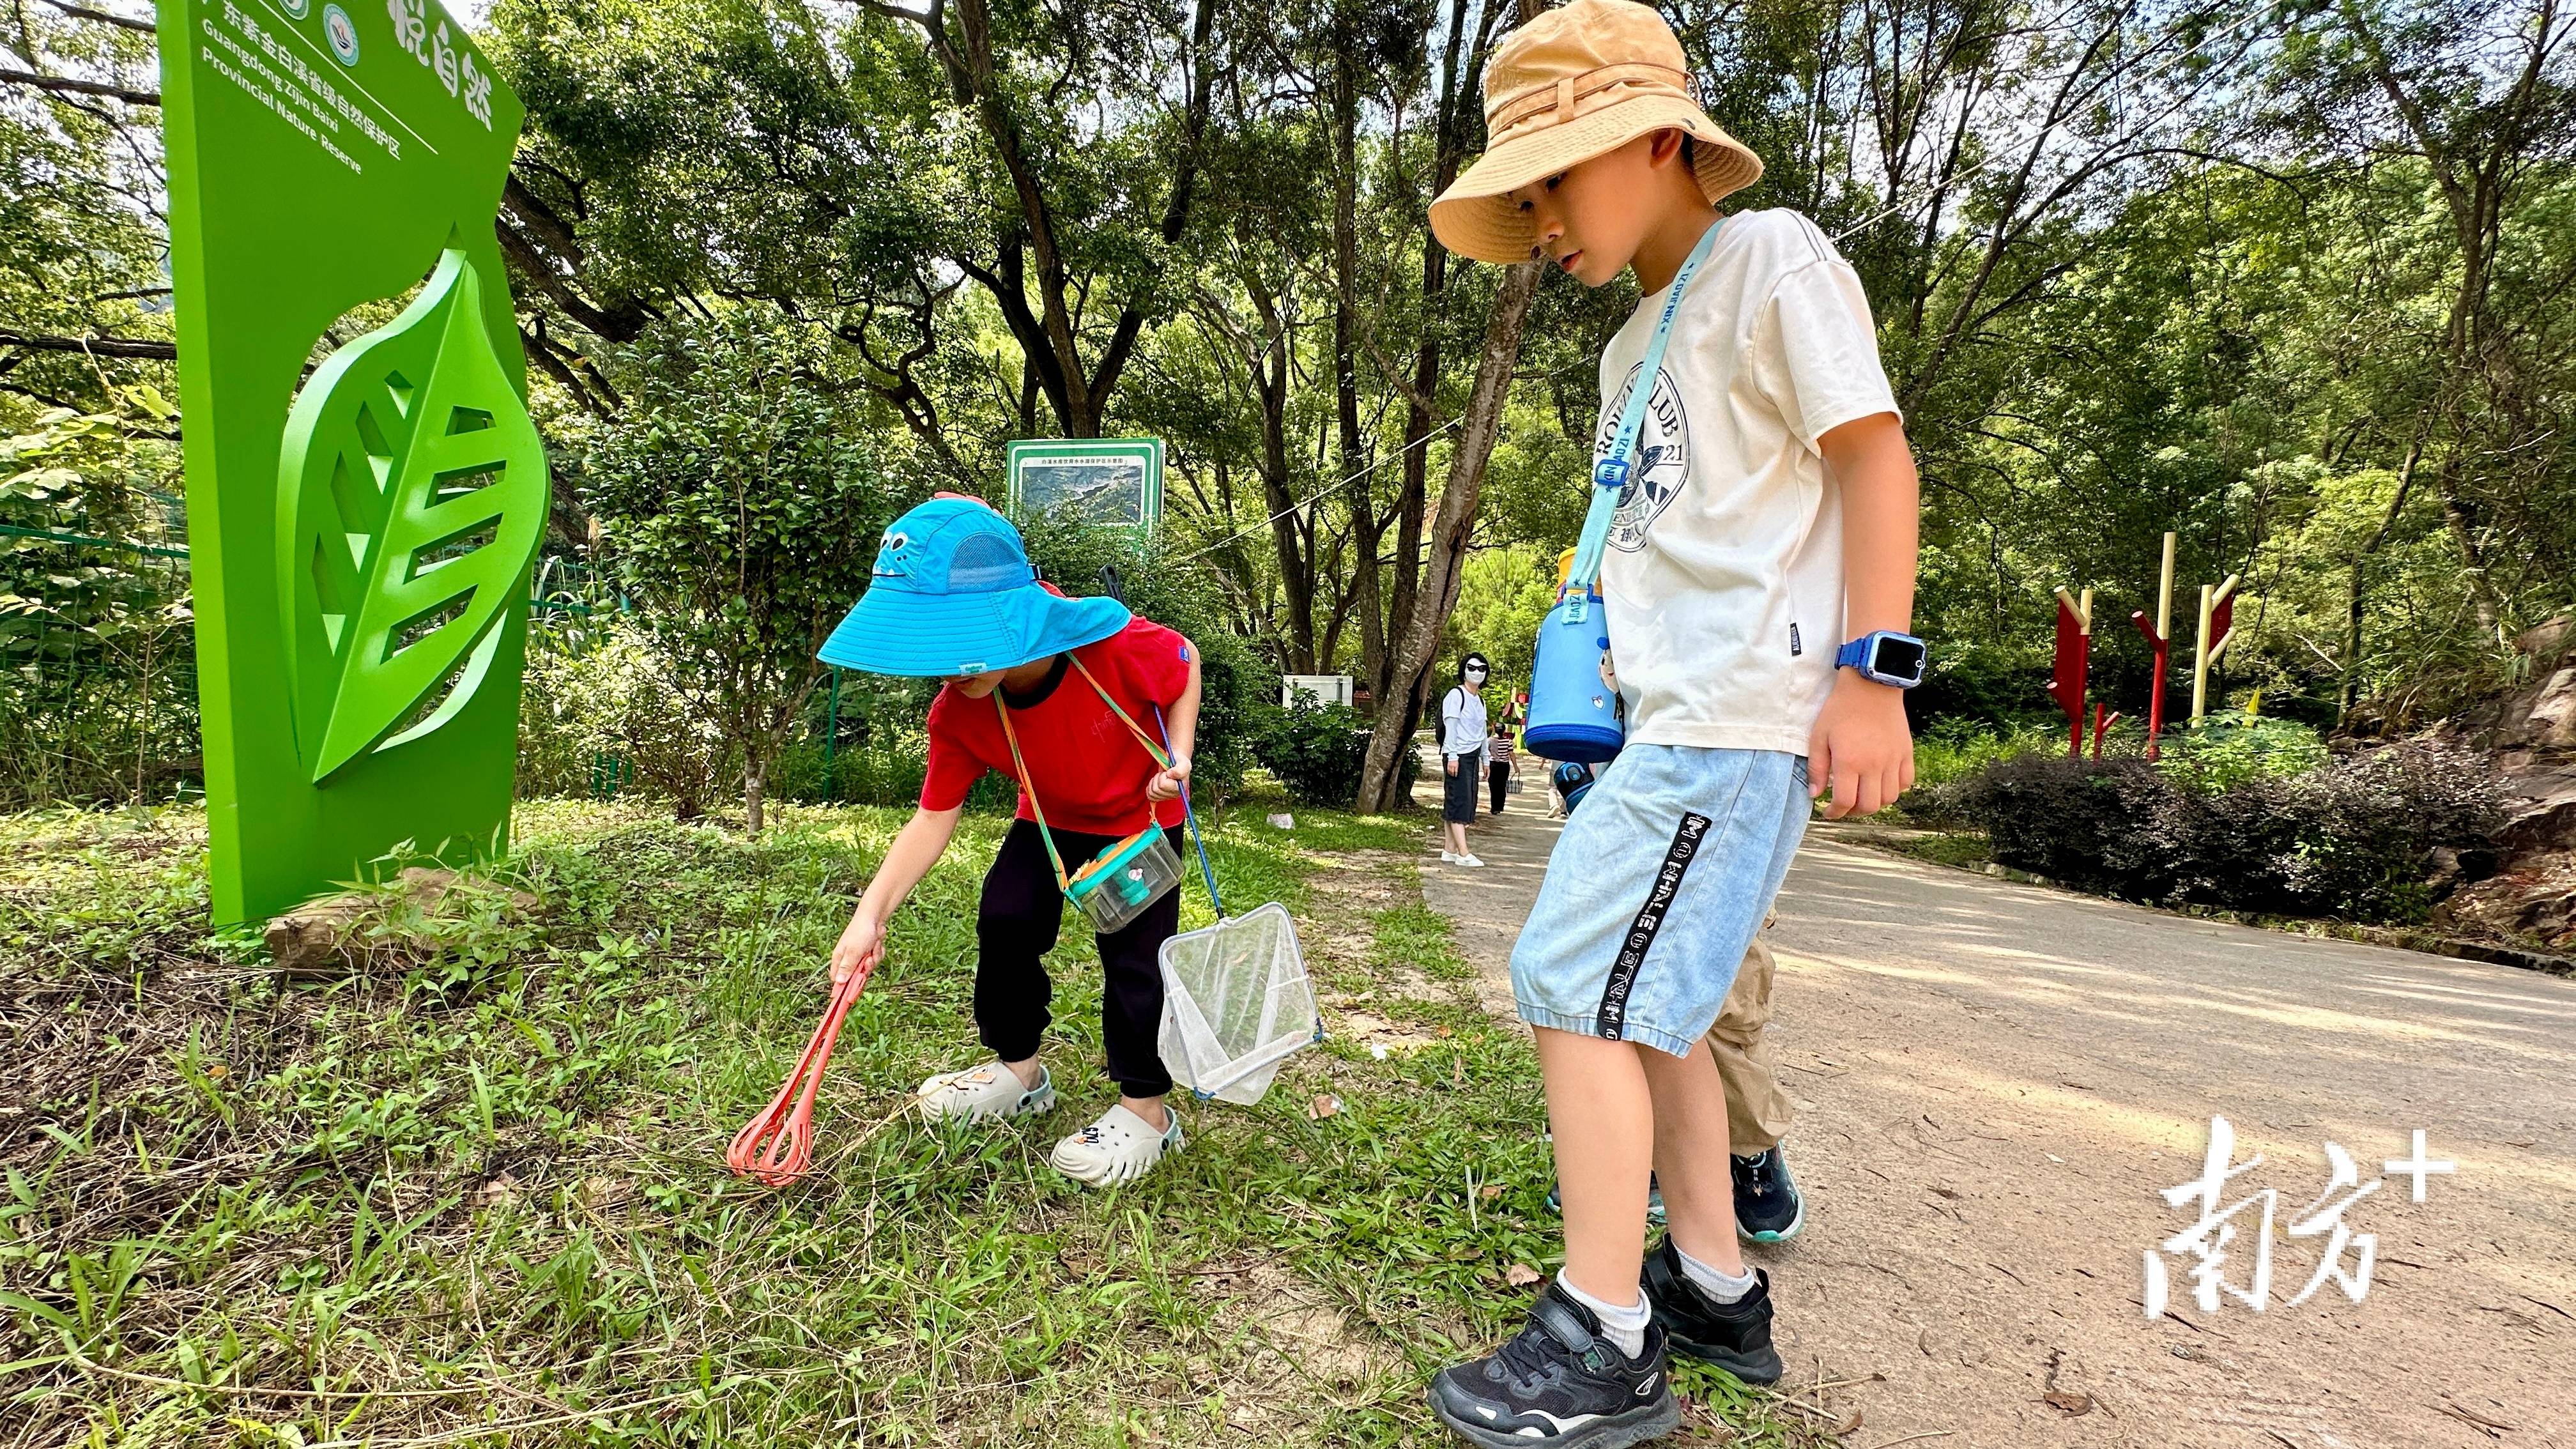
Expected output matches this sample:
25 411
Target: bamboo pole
2164 592
2204 653
2200 656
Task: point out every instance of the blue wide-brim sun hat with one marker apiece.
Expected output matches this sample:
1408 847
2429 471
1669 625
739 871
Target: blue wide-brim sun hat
954 593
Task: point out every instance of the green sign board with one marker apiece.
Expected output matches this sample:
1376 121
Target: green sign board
1098 480
362 510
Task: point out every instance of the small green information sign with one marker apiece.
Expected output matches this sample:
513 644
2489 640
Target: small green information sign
1116 481
362 510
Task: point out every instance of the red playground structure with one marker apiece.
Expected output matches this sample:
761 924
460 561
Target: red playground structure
2068 675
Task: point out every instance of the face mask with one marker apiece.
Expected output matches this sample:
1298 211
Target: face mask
1475 676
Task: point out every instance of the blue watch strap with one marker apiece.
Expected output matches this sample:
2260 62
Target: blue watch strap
1853 654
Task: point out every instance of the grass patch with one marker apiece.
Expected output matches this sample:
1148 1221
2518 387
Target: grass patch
1413 934
474 1194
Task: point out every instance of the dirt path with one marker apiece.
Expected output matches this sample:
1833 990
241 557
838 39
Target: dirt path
1994 1082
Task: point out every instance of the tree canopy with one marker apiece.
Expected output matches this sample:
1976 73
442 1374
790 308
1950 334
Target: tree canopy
2289 279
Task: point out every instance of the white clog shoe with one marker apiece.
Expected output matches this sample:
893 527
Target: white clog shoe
1120 1147
985 1094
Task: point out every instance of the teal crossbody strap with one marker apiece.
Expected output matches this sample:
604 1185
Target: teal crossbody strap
1610 470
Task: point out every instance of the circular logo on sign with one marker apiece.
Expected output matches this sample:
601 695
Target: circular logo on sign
343 35
297 8
1659 467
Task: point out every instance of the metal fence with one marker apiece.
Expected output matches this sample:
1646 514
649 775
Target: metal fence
98 663
98 704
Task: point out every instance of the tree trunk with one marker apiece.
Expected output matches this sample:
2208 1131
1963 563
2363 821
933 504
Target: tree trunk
1449 144
1346 383
1049 337
755 789
1413 495
2356 590
2457 516
1270 376
1390 733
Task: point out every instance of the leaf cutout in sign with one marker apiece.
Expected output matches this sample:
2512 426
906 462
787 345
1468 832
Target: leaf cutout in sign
412 494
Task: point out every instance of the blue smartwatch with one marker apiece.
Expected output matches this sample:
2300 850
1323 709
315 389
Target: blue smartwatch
1884 656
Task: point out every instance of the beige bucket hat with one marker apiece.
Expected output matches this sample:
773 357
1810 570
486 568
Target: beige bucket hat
1576 82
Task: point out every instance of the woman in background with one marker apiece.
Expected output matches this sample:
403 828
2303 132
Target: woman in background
1462 758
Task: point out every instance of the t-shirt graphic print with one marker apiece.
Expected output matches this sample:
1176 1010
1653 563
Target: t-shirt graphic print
1662 460
1723 582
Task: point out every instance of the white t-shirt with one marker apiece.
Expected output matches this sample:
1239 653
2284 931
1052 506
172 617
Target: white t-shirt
1724 571
1462 721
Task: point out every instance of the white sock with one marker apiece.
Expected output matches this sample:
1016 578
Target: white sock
1724 1287
1625 1327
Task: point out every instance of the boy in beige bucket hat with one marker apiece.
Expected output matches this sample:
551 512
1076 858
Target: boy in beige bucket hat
1755 508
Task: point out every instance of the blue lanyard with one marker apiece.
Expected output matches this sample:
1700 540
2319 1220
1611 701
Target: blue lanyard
1610 470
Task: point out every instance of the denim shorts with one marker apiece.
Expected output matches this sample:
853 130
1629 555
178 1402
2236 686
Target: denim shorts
1655 890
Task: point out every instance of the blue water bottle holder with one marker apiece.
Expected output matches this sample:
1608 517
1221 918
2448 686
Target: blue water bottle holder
1574 708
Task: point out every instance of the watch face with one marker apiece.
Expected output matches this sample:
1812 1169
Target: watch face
1898 658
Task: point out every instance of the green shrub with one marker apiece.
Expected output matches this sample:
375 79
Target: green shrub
1235 684
1315 751
1953 749
2225 750
881 768
601 715
2353 838
1991 688
2074 821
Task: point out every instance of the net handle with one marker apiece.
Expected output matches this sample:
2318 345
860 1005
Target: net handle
1197 837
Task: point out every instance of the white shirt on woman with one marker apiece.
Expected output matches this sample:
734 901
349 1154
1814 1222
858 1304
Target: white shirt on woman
1462 722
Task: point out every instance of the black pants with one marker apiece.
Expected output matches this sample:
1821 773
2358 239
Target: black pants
1016 924
1498 774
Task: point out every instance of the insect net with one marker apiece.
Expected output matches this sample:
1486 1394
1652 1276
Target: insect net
1236 1002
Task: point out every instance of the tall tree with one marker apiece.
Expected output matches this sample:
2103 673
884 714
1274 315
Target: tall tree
963 35
2480 94
1398 706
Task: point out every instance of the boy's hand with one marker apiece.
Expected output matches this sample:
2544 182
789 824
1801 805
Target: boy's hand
1452 762
1167 785
863 939
1861 747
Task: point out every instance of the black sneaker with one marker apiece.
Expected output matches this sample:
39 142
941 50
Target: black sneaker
1767 1206
1733 1336
1654 1200
1560 1383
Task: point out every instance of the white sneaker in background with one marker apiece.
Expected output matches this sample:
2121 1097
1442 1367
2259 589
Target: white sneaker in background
1471 862
1448 857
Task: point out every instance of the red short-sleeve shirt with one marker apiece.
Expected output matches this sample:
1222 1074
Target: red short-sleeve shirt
1090 772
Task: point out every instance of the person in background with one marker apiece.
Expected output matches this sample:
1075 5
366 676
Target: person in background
1462 758
1498 761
